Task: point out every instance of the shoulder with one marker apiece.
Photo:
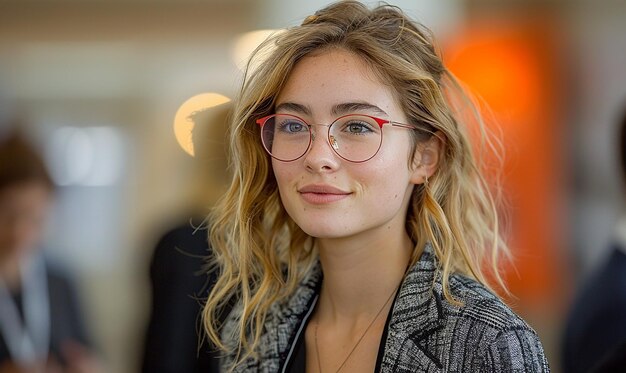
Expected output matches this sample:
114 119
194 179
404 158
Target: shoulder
607 282
279 330
184 241
429 333
479 305
494 337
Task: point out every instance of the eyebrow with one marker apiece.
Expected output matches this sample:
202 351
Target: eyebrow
292 106
350 107
339 109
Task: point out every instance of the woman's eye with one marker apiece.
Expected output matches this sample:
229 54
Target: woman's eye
293 127
358 127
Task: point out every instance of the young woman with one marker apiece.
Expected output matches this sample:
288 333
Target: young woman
353 236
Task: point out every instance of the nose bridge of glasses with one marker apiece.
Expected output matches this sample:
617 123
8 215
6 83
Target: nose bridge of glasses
314 132
331 141
311 125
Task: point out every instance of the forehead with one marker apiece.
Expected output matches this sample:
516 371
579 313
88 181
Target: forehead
324 79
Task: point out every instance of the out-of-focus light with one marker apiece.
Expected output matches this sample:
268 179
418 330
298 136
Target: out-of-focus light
85 156
502 70
70 155
183 123
246 44
107 164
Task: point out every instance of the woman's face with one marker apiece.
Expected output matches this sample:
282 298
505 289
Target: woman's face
327 196
23 209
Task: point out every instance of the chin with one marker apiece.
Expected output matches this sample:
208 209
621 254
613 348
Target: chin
325 231
321 223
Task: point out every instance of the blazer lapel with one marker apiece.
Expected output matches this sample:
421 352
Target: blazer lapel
417 314
287 320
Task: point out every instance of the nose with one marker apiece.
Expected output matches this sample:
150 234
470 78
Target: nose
321 157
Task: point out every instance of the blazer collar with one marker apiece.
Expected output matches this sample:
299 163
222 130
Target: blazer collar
289 320
417 312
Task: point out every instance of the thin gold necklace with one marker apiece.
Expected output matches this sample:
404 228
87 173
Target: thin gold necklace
317 350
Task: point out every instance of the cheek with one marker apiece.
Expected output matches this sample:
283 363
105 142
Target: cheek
392 178
285 174
279 171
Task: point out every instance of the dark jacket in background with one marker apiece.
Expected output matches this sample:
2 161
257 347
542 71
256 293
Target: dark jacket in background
595 335
179 284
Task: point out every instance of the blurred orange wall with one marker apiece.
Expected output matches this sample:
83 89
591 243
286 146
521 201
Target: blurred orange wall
513 66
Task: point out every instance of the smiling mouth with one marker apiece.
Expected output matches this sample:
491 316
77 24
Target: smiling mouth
322 194
322 198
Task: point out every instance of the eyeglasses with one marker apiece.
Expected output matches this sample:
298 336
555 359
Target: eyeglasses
354 137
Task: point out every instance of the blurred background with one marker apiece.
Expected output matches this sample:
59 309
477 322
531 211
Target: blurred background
108 90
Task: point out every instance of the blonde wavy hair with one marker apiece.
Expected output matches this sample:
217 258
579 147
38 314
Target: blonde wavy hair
262 255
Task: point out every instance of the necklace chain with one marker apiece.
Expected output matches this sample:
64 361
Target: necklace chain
317 350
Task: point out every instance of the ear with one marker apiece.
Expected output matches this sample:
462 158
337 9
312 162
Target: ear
427 158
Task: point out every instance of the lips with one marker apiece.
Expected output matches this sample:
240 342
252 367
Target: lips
322 194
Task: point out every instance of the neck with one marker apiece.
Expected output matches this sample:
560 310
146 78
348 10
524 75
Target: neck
10 273
360 275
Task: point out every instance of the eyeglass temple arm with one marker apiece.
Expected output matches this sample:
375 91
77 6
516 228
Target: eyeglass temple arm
408 126
261 121
411 127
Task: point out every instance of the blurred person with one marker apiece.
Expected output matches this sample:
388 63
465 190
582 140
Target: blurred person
41 326
359 231
174 340
595 333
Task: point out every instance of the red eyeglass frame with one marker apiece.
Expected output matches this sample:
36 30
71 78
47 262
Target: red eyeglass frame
380 121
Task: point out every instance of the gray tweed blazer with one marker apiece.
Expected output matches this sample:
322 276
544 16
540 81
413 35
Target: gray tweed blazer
426 333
